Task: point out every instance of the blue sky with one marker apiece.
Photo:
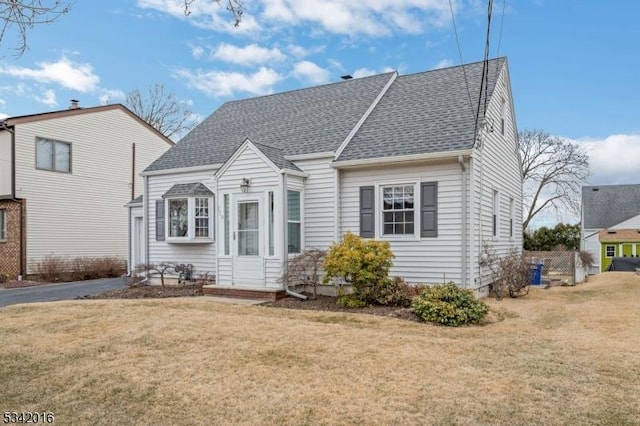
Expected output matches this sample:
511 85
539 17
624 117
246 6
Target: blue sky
574 64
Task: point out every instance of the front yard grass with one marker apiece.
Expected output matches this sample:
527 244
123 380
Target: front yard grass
567 355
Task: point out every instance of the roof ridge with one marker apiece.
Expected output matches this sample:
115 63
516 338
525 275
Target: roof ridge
309 88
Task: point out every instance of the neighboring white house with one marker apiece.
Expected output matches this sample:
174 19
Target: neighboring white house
389 157
608 207
64 179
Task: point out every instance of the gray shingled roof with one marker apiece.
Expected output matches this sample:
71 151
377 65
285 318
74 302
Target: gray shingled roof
607 205
276 156
423 113
420 113
317 119
187 189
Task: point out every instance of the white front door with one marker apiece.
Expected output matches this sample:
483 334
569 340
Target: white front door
248 238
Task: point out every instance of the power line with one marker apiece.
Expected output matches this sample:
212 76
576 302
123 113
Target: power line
484 80
466 80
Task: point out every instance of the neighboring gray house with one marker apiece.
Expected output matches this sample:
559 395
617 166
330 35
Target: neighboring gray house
609 207
388 157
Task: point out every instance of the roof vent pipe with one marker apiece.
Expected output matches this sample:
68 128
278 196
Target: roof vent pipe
74 104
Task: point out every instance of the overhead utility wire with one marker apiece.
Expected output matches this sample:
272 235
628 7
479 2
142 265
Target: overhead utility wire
485 69
455 31
504 7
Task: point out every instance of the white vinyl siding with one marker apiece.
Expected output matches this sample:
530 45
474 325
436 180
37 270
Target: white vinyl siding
496 167
418 260
319 203
87 204
201 256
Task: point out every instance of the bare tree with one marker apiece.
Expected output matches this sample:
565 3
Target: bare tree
305 269
162 110
233 6
553 171
20 16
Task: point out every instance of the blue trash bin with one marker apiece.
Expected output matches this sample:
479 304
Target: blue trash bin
535 271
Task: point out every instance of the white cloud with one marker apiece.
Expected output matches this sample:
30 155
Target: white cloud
218 83
354 17
369 17
614 159
197 52
363 72
3 116
310 72
445 63
298 51
251 54
48 98
204 14
64 72
111 96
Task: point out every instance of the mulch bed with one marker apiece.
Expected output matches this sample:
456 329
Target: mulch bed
320 303
327 303
150 292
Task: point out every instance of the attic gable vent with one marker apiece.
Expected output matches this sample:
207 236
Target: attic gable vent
611 232
595 189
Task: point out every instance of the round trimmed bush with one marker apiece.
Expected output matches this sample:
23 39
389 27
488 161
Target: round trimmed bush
448 304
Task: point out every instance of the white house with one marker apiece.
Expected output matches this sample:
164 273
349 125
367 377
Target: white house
64 177
609 208
388 157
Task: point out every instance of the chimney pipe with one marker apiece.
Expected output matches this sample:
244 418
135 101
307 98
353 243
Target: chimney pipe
74 104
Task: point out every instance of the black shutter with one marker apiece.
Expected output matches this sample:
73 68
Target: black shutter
159 220
367 202
429 209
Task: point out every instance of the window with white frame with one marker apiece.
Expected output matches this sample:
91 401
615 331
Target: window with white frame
294 221
610 251
53 155
398 210
496 214
189 218
271 210
3 225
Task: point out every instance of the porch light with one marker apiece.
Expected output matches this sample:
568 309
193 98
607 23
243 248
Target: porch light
244 185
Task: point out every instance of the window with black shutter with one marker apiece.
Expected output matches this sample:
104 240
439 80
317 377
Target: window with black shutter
159 220
367 213
429 209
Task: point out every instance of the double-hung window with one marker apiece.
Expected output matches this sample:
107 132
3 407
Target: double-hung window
399 210
398 214
610 251
3 225
294 221
53 155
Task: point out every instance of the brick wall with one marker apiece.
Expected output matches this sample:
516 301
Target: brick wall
11 249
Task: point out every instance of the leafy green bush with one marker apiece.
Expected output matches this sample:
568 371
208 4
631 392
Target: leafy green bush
351 301
362 263
396 292
448 304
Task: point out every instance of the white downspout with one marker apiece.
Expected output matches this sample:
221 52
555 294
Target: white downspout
145 217
465 235
471 253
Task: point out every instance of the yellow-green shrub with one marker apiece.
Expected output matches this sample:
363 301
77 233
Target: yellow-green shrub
362 263
448 304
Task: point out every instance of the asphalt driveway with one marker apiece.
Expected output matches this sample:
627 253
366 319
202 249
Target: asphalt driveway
63 291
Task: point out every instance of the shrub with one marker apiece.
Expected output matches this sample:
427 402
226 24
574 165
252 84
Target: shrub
512 274
304 269
362 263
586 258
51 268
396 292
448 304
351 301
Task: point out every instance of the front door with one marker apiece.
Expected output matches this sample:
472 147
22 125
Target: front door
248 256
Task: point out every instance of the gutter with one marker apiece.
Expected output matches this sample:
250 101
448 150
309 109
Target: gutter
442 155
